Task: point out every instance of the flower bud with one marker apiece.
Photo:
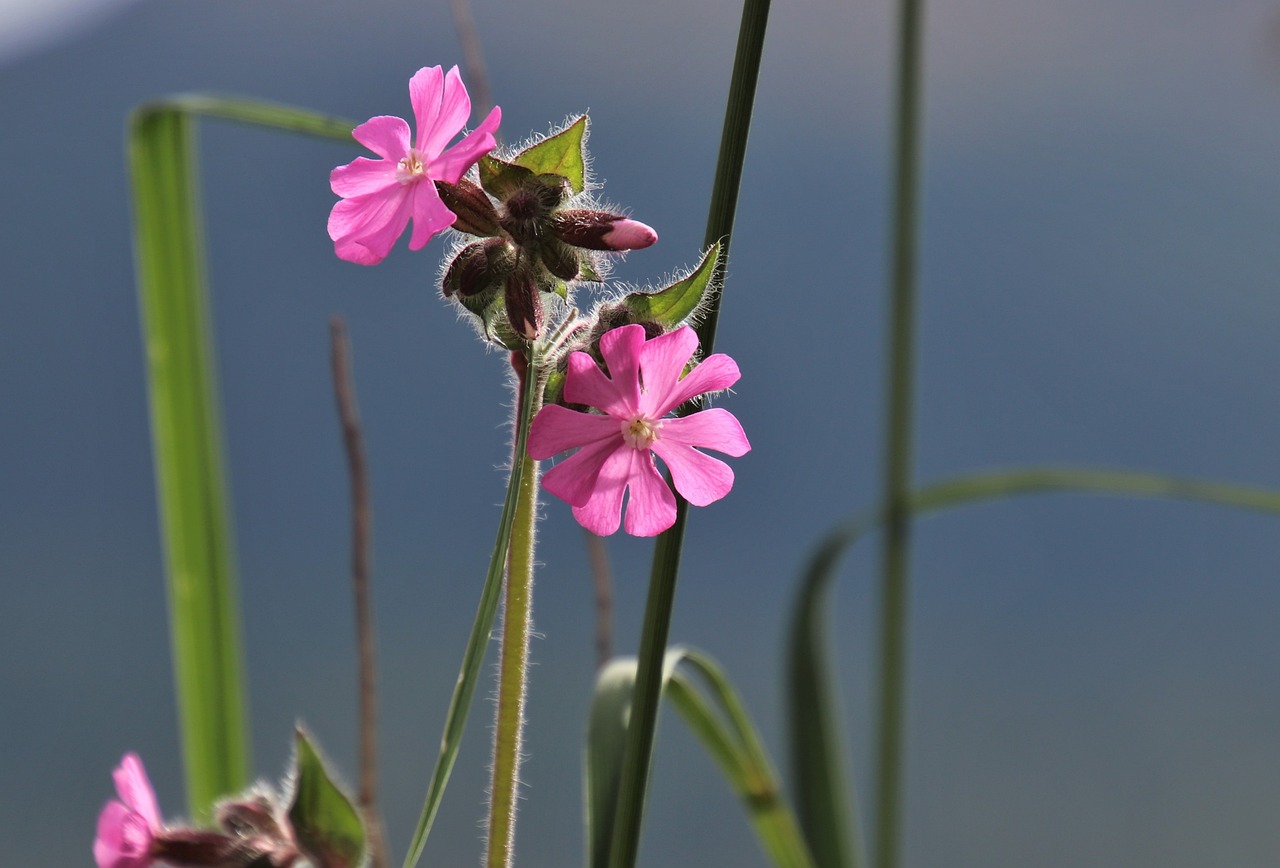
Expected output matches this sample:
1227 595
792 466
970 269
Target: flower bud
601 230
475 214
478 267
524 306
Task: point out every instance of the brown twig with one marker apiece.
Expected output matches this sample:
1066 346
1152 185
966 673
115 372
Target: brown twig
472 56
603 581
361 518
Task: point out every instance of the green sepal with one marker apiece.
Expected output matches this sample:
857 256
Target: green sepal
500 179
562 154
587 270
326 824
674 304
553 392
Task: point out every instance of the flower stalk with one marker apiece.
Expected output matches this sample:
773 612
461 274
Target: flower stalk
517 623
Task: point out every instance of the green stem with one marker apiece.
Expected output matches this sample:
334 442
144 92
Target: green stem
666 557
897 457
513 666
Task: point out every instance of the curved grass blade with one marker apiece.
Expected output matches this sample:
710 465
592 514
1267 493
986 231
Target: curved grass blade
822 804
187 429
719 721
186 432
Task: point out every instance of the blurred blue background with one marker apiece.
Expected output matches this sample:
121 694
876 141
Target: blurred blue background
1094 681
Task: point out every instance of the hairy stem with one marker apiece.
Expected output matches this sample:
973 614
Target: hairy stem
517 622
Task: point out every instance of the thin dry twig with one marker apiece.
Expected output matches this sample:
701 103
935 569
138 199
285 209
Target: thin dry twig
361 523
603 580
472 56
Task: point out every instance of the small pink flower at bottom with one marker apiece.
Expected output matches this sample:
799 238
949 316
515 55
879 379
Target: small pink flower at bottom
126 828
616 447
380 196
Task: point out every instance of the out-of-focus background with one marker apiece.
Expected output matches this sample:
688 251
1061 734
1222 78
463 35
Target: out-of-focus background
1093 680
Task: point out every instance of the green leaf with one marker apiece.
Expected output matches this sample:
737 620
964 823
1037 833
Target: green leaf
673 305
560 154
719 721
500 179
327 825
818 767
824 809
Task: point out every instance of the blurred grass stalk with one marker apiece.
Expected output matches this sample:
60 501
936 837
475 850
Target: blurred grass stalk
899 433
187 429
641 732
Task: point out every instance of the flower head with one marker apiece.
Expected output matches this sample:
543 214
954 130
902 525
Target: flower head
126 828
380 196
616 447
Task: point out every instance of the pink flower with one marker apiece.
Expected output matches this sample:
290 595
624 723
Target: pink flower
616 449
379 196
126 828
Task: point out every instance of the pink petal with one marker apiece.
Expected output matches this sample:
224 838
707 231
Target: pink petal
698 477
386 136
135 789
586 384
580 477
715 428
628 234
662 361
426 88
651 508
452 107
123 839
430 215
558 429
601 512
620 348
362 176
712 374
365 228
454 163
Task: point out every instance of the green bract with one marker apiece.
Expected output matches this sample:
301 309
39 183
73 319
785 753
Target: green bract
328 827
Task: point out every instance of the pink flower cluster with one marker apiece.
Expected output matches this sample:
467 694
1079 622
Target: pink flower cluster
616 447
381 196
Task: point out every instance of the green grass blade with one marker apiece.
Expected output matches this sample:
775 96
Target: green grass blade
523 473
899 433
666 556
821 801
823 804
186 430
255 113
721 724
732 740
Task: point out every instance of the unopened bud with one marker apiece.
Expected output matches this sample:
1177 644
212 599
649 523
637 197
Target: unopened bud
560 259
478 267
524 307
473 210
601 230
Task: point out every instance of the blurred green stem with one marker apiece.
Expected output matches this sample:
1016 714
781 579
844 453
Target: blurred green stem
898 437
666 558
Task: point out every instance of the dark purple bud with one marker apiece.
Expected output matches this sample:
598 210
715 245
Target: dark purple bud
475 212
601 230
524 306
478 267
560 259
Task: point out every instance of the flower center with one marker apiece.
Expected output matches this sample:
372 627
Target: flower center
411 167
639 433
